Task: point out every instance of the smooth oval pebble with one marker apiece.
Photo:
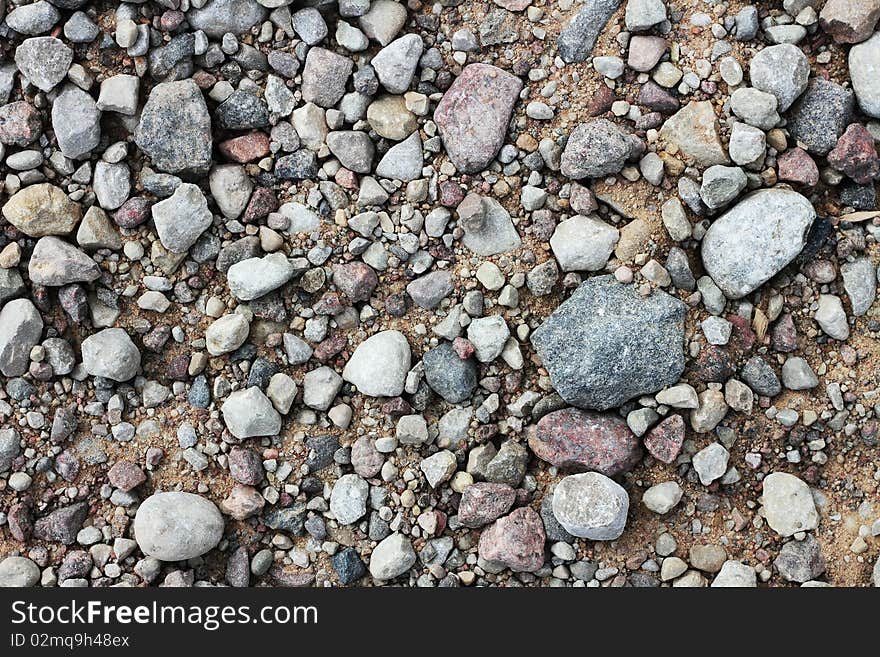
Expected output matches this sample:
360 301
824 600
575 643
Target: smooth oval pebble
176 526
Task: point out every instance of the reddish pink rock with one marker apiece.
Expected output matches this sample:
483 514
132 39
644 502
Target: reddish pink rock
473 115
245 466
133 212
242 502
665 440
19 124
582 441
262 202
463 347
356 280
246 148
515 541
366 460
483 502
451 194
856 155
126 475
796 165
783 337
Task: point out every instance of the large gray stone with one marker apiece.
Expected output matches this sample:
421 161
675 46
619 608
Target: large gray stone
111 354
255 277
249 413
186 148
182 217
782 70
44 61
379 365
176 526
864 71
788 504
607 344
218 17
594 149
54 262
591 505
756 239
76 121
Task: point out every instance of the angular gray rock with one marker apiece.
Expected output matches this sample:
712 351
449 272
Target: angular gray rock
379 365
249 413
111 354
76 121
860 283
403 161
392 557
348 500
756 239
20 329
488 229
176 526
187 148
864 70
450 376
396 63
607 344
218 17
54 262
583 243
181 218
591 505
44 61
782 70
788 504
255 277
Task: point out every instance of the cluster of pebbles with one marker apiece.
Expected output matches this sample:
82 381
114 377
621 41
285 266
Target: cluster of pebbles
472 293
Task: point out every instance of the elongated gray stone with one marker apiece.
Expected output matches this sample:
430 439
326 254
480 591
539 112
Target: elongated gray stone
175 526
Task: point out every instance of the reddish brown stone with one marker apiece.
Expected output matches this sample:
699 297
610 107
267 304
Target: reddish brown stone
783 337
484 502
133 212
856 155
473 115
19 124
714 364
242 502
849 21
328 348
245 466
657 99
366 460
463 347
126 475
601 101
665 440
246 148
262 202
581 441
356 280
515 541
451 194
796 165
21 522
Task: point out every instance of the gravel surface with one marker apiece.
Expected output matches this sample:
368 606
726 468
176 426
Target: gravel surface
474 293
